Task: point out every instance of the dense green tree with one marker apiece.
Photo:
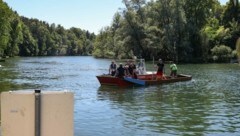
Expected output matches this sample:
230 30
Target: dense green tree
173 25
238 49
55 40
232 12
135 19
5 26
211 36
180 30
29 45
233 34
184 30
30 37
16 37
197 12
99 44
222 53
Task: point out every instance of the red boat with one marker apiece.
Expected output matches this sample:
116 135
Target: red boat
107 79
142 80
113 81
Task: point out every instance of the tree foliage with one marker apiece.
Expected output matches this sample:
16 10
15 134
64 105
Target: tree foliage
222 53
180 30
5 27
231 12
238 48
31 37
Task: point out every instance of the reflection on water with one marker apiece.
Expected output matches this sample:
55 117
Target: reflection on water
164 110
208 105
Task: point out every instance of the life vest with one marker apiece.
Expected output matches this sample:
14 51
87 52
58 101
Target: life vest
173 67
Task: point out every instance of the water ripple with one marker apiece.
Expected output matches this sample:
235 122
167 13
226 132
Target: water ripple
208 105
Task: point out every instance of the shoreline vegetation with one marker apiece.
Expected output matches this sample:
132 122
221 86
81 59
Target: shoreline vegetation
175 30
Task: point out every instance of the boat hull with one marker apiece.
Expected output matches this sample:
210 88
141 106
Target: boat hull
113 81
169 79
146 77
142 80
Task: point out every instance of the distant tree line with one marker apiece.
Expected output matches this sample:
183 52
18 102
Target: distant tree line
20 36
180 30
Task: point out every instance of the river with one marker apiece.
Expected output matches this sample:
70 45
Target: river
208 105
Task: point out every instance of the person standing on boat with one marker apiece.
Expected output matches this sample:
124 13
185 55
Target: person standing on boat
120 71
112 68
160 69
173 68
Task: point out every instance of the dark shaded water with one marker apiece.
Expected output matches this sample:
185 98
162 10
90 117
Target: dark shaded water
209 105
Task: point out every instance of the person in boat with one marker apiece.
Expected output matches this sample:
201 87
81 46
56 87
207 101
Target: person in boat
112 68
132 70
160 69
126 67
141 67
120 71
173 68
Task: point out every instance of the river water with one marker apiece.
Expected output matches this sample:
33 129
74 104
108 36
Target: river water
209 105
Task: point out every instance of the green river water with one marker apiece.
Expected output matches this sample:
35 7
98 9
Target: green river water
208 105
